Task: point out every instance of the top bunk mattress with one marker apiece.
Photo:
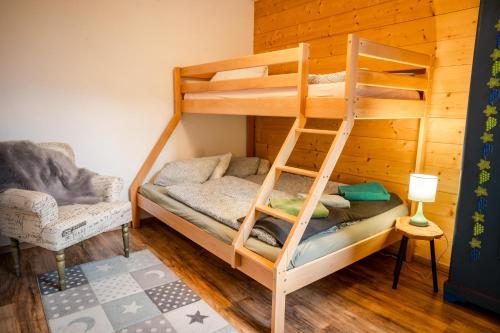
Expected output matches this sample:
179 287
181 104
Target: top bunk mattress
335 89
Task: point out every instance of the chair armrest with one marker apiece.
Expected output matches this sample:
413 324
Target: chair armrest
108 187
43 205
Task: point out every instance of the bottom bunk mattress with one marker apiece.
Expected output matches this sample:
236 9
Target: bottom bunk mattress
312 248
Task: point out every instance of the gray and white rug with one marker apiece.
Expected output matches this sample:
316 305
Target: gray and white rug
127 295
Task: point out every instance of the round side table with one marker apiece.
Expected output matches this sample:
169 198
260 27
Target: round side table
430 232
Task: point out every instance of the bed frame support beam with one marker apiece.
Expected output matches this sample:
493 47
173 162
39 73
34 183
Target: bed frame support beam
261 59
157 148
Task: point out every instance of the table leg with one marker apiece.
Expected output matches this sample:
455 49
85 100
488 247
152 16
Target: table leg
434 268
399 263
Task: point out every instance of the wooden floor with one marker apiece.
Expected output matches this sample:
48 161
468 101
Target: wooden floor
356 299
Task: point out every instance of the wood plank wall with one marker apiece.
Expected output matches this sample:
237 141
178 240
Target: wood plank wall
379 149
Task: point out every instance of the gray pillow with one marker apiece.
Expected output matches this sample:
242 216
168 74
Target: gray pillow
264 166
196 170
243 166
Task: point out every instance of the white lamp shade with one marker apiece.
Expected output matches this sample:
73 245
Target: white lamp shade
422 187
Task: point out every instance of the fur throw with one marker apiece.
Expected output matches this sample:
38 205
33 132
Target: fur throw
25 165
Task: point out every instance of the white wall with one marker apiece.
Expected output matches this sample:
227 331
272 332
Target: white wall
97 74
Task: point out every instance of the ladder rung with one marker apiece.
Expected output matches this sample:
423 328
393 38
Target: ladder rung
298 171
276 213
244 252
316 131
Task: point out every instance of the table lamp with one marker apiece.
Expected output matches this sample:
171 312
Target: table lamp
422 189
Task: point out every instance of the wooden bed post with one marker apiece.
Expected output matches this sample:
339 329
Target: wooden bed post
157 148
279 274
421 145
279 304
302 85
251 136
351 76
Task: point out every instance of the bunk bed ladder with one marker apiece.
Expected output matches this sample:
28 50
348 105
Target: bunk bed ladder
321 177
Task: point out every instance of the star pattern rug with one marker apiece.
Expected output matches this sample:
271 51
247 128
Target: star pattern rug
126 295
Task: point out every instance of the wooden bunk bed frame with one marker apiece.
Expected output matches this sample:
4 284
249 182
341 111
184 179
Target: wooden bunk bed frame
275 275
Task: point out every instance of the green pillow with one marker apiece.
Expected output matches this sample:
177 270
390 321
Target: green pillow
292 206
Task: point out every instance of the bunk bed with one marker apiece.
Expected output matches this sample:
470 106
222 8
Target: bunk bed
286 95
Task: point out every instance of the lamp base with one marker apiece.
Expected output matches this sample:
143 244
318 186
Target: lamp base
419 223
419 220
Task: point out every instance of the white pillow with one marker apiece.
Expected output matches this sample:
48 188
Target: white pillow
243 73
264 166
196 170
331 200
221 168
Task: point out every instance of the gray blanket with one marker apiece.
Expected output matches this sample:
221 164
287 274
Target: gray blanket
229 198
225 199
25 165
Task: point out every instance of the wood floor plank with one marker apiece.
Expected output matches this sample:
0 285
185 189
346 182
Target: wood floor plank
358 298
9 323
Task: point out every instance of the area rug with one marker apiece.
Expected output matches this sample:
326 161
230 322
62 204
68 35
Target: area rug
127 295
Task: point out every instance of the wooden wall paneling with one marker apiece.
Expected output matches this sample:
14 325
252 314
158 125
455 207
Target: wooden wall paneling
354 20
264 8
426 29
444 155
306 11
449 105
445 130
441 27
382 148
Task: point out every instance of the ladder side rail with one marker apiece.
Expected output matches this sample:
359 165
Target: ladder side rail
312 198
283 155
157 148
330 160
265 190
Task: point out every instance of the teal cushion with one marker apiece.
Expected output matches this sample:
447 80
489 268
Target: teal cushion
372 191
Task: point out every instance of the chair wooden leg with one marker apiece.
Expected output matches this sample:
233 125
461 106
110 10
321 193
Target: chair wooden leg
14 243
125 240
60 269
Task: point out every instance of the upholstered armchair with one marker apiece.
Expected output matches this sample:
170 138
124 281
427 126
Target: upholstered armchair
35 218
